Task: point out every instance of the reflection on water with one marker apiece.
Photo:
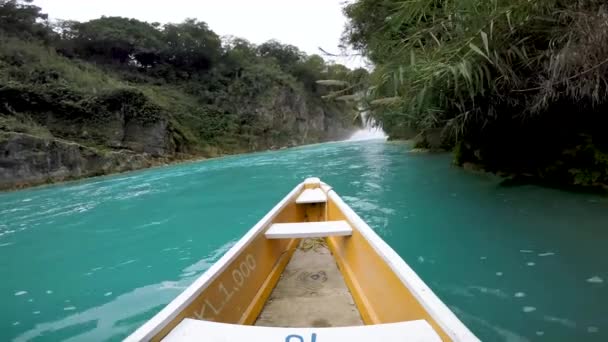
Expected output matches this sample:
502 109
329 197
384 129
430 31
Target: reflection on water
93 260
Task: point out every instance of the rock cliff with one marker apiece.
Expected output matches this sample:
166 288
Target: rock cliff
115 94
29 160
118 140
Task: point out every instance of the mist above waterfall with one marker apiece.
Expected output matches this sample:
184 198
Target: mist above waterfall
369 131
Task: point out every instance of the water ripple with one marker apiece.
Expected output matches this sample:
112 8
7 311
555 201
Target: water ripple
114 250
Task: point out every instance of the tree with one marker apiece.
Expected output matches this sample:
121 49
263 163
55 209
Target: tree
367 26
24 20
337 71
515 85
309 71
238 53
115 40
191 46
286 56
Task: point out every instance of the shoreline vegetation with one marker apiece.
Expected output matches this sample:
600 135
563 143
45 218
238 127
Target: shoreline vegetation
515 87
518 89
506 179
79 99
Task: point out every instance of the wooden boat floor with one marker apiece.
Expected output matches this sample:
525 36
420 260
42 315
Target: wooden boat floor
310 293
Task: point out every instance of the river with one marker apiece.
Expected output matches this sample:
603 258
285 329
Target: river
92 260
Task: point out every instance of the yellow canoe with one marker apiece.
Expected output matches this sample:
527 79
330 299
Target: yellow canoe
310 270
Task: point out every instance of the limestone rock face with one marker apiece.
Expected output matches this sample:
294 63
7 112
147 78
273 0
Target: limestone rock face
29 160
119 140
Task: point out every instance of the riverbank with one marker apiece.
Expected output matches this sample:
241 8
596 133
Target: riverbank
509 178
134 162
477 85
84 102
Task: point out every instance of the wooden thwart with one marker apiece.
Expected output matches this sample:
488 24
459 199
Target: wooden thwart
312 196
308 230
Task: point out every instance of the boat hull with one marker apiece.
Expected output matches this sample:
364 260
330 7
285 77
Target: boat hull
235 289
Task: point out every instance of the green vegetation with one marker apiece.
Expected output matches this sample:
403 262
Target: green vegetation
517 86
175 90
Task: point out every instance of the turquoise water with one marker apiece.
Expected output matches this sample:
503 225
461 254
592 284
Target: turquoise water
93 260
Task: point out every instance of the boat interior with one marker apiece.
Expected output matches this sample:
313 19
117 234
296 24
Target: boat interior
310 264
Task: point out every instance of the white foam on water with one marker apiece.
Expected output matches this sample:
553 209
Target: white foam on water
16 323
69 308
530 263
526 251
368 134
369 131
373 185
126 262
153 223
459 291
49 292
528 309
36 312
483 258
540 333
503 334
165 285
421 259
20 293
489 291
595 280
30 300
499 274
107 294
545 254
519 295
561 321
592 330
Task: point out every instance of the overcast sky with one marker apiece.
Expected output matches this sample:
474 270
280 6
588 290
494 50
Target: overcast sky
307 24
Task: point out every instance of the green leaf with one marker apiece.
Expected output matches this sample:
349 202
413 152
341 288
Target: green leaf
435 38
484 37
509 20
477 50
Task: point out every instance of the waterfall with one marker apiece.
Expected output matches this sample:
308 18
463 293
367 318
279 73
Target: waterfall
369 131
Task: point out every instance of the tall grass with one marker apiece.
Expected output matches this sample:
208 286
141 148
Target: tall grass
459 64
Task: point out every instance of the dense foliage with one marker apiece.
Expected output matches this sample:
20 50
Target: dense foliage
518 86
70 79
